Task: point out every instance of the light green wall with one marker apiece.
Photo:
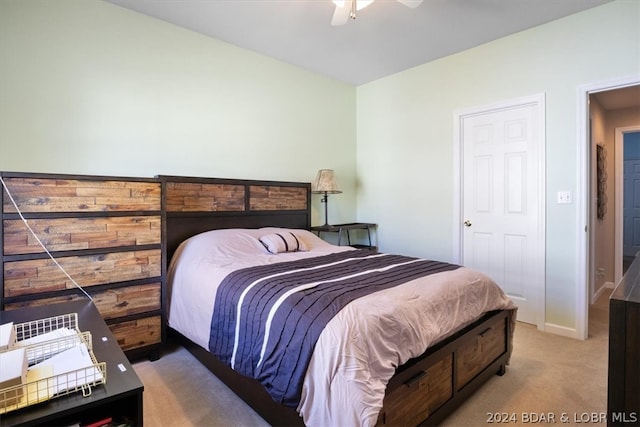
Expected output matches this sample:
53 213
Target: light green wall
91 88
406 130
87 87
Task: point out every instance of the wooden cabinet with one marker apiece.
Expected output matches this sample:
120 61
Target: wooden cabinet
102 234
624 350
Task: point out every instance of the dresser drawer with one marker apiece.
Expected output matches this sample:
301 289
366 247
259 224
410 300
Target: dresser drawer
137 333
128 300
35 276
424 392
111 303
475 355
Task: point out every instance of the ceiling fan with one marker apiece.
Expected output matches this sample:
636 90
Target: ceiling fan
346 9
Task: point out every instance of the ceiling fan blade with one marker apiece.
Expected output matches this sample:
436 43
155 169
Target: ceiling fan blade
341 14
411 3
361 4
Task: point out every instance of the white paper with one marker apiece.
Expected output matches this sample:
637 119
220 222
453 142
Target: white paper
55 334
48 344
7 336
69 369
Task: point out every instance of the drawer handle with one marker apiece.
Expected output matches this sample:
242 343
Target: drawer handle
416 379
485 332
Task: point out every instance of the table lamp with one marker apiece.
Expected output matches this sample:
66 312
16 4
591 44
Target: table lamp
325 183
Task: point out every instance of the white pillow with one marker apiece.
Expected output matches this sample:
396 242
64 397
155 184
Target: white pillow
285 241
306 237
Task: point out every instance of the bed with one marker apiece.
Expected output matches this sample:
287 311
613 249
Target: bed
384 371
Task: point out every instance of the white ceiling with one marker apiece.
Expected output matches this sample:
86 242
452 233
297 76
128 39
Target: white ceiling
619 98
385 38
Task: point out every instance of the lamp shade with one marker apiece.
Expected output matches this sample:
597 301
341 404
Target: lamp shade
325 182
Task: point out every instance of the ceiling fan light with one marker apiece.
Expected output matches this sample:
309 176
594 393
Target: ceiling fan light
346 9
341 14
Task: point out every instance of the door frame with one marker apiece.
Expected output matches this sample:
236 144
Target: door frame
538 100
619 196
585 274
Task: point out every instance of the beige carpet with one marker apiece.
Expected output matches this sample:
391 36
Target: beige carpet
548 374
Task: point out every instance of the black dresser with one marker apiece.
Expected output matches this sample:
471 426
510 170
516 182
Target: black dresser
119 399
624 350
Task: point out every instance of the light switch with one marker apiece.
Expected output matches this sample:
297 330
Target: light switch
564 197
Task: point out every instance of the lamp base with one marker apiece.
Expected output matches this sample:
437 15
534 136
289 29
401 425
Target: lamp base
325 200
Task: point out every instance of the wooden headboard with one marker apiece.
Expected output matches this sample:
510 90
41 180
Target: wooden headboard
193 205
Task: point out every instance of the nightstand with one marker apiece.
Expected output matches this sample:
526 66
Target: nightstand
119 398
346 228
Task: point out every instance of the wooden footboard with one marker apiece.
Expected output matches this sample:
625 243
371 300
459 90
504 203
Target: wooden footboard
424 391
427 389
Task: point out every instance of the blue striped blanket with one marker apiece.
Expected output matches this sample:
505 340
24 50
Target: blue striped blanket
267 319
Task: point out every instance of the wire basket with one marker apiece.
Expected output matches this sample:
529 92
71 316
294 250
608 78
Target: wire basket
52 363
34 328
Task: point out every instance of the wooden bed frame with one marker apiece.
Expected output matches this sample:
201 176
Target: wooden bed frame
422 392
132 295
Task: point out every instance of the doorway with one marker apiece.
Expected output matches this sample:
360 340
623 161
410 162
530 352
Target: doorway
627 145
619 94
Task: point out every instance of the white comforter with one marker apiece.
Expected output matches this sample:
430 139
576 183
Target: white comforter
361 346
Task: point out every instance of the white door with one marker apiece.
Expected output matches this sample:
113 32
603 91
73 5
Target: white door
502 202
631 208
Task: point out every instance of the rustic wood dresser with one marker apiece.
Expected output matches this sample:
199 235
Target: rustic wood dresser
106 234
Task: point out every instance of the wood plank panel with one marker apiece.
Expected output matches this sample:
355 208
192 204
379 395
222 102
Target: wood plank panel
70 195
473 357
137 333
127 301
42 275
66 234
111 303
272 198
413 402
200 197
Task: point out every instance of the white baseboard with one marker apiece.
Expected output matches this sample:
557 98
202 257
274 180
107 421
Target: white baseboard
562 331
605 286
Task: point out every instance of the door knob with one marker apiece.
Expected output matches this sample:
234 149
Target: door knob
467 223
